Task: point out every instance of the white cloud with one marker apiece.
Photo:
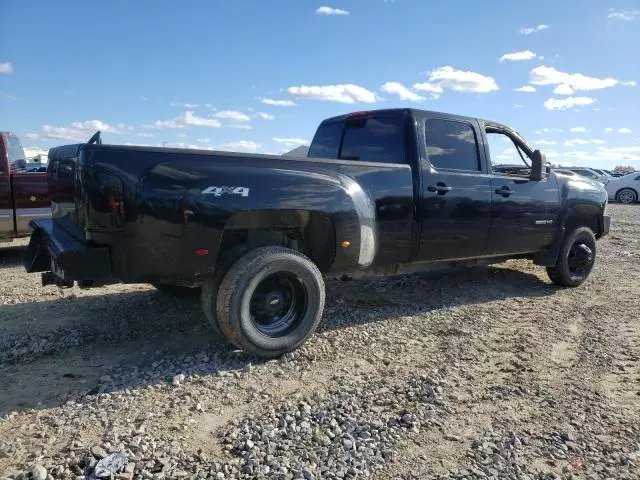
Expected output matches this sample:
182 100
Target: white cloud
242 146
233 115
93 125
160 124
78 131
518 105
608 130
204 140
145 135
324 10
265 116
344 93
278 103
567 83
530 30
518 56
186 119
625 130
582 141
6 67
546 142
578 130
185 105
182 135
618 154
63 133
627 15
563 89
566 103
433 90
403 92
240 126
526 88
548 130
448 78
291 141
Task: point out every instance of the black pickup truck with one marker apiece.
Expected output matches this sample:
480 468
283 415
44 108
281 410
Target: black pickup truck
380 192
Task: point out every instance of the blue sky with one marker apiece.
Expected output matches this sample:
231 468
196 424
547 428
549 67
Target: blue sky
260 75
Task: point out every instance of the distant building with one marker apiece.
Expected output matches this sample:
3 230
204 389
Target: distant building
300 151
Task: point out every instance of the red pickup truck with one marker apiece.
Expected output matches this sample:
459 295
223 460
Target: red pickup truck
23 194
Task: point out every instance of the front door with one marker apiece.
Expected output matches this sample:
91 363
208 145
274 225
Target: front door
456 196
525 213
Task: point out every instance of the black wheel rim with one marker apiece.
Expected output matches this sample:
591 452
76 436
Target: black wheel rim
278 304
580 259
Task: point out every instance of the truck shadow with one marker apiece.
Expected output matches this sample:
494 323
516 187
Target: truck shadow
54 351
11 256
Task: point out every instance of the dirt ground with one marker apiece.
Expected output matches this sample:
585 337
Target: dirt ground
533 380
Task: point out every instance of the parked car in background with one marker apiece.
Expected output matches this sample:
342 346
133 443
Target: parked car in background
589 173
566 172
624 189
24 195
602 172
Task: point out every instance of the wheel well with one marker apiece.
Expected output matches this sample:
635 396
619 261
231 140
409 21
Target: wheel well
307 232
583 221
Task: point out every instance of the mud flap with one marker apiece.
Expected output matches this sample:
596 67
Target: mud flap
549 256
36 258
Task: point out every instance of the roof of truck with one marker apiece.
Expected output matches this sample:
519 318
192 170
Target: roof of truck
415 111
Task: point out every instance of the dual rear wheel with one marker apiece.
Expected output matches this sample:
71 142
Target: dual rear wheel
268 302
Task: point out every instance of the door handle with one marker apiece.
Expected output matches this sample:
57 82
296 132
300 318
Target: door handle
504 191
439 187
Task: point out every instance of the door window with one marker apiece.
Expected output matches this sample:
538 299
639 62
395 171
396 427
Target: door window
452 145
375 139
507 157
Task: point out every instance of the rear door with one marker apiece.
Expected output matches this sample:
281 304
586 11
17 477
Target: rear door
524 212
456 196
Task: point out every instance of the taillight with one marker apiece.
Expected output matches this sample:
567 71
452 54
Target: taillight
116 205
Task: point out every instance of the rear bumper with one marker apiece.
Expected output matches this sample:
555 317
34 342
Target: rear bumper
53 249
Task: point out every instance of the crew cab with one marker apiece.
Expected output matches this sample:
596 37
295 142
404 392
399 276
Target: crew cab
23 195
379 193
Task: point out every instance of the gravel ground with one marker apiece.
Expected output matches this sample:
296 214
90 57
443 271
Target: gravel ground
479 373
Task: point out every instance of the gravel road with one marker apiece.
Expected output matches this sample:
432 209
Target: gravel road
479 373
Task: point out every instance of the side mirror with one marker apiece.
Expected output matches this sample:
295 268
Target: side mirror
538 166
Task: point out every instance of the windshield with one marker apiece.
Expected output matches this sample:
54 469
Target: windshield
15 150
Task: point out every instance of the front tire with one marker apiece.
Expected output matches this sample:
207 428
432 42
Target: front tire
627 196
576 259
270 301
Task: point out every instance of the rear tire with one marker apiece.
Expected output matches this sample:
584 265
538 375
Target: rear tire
177 290
627 196
576 259
270 301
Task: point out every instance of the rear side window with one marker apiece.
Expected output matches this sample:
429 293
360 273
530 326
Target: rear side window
452 145
326 142
377 139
